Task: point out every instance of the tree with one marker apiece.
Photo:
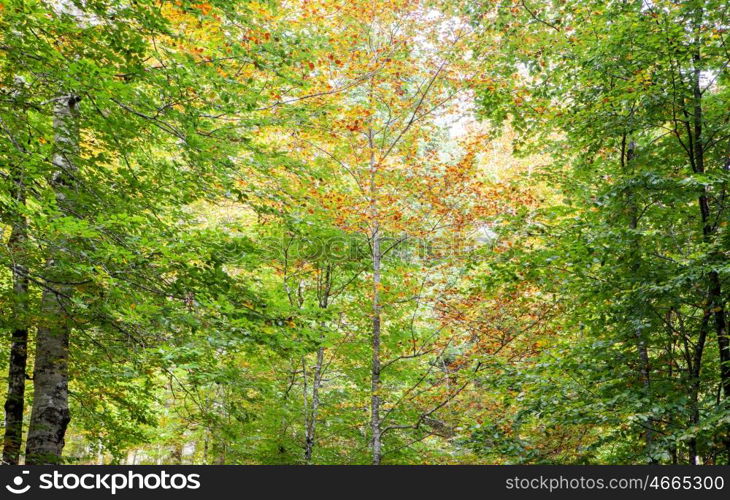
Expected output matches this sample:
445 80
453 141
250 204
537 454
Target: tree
616 92
121 136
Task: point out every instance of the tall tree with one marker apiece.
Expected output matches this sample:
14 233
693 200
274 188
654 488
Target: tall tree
128 114
585 81
51 415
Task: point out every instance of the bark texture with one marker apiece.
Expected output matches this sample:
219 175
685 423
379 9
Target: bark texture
377 450
50 414
311 427
698 145
15 400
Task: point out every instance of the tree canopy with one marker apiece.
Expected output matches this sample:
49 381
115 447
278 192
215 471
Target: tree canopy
365 232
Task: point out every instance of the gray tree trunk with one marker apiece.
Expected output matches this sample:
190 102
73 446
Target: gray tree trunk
311 415
50 415
375 381
313 412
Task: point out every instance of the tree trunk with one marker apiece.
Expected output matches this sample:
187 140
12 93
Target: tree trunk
723 343
375 369
15 400
717 304
312 418
50 415
695 371
375 338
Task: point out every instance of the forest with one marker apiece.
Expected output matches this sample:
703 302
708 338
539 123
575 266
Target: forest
365 231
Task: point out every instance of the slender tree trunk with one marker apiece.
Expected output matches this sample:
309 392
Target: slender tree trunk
50 415
645 368
375 369
723 343
695 370
324 288
312 414
717 304
375 381
15 400
673 451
